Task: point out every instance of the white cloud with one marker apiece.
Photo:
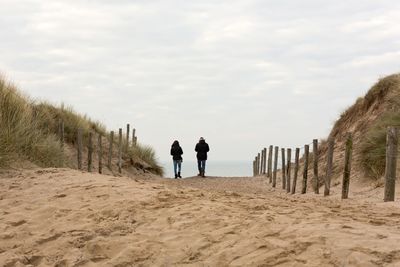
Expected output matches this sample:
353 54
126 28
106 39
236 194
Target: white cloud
242 73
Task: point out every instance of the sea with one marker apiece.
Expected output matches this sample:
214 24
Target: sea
213 168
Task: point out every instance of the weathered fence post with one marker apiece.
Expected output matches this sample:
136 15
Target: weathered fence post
296 170
275 166
288 167
269 174
329 167
305 171
100 153
120 151
90 152
391 163
110 150
283 169
127 136
259 163
264 160
315 157
254 168
347 167
79 142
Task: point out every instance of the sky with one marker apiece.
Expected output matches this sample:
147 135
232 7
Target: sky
243 74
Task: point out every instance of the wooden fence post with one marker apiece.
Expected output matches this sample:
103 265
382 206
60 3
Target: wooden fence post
110 150
79 142
261 161
100 153
288 167
120 151
296 170
315 157
259 164
265 161
283 169
254 168
391 163
347 167
329 167
269 174
275 166
127 136
90 152
305 171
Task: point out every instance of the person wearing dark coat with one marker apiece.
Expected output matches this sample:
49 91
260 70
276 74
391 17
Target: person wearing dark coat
176 153
202 148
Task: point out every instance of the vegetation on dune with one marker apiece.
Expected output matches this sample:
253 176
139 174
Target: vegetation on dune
29 131
147 154
373 143
21 134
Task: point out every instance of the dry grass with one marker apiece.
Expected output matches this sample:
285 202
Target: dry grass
30 131
21 135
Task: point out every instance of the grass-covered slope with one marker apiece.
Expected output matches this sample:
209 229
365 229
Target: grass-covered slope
29 132
367 120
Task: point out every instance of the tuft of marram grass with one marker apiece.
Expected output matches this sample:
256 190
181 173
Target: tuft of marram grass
148 155
373 146
20 133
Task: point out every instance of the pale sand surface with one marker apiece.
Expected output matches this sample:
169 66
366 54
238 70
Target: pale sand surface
56 217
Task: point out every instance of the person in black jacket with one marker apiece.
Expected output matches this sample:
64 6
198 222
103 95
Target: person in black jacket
202 148
176 153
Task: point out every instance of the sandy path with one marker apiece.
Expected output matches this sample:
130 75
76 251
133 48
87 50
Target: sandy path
68 218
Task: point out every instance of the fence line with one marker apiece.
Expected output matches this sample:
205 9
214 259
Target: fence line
289 186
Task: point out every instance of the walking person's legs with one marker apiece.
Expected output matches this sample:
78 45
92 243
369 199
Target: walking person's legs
179 168
175 168
199 167
203 167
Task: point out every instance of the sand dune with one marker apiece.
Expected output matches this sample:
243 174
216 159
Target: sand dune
56 217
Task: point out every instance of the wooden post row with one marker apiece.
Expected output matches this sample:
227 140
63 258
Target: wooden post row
100 153
269 174
90 152
347 167
283 169
127 136
329 167
391 163
315 157
265 161
296 170
110 150
79 143
288 172
275 166
120 151
305 171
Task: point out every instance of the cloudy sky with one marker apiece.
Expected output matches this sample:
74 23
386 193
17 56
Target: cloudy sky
243 74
